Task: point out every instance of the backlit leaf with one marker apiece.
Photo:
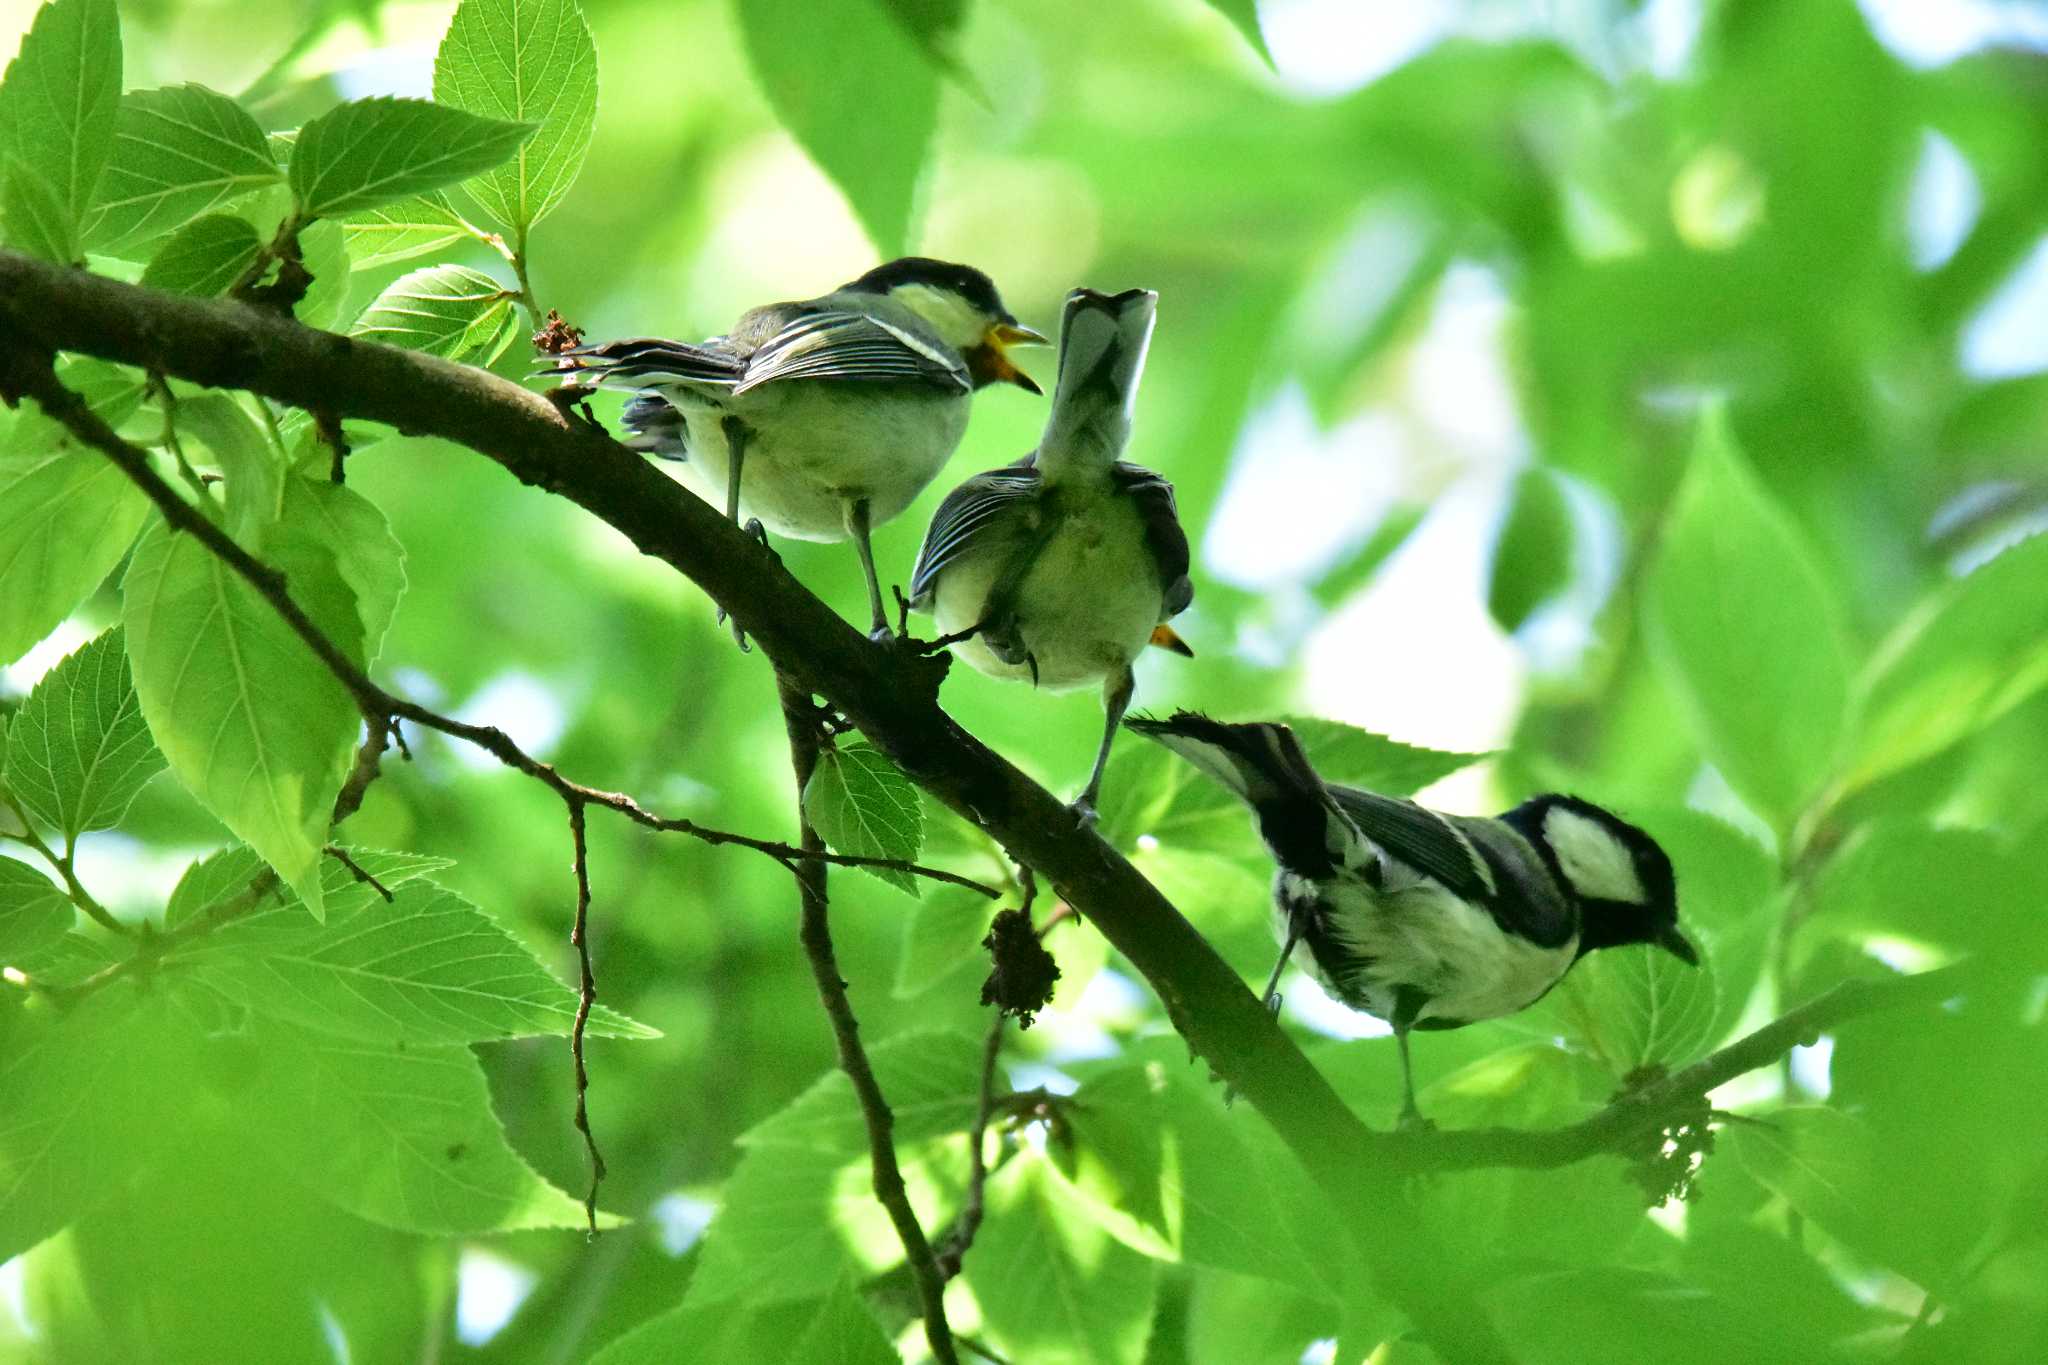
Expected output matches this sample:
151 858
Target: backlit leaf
58 106
64 525
822 66
78 750
179 153
1735 588
252 722
526 61
444 310
205 257
378 151
862 805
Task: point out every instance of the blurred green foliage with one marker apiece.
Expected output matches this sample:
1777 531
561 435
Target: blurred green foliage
1684 298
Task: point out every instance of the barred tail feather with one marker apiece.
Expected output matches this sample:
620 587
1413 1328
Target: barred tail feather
653 425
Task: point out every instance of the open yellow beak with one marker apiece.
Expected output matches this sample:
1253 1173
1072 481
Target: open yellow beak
995 363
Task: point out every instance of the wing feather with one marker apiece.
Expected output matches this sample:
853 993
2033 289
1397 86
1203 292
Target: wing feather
966 513
856 347
1163 533
1419 837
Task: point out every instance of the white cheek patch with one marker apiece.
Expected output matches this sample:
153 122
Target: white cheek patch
1596 863
951 316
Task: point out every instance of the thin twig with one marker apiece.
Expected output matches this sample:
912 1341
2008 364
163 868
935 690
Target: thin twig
806 737
973 1205
358 871
586 996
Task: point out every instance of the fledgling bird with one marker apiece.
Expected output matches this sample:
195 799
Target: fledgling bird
1061 568
822 418
1428 920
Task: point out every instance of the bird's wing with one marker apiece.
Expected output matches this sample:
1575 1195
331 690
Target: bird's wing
967 512
1531 904
1419 837
1163 533
633 361
855 347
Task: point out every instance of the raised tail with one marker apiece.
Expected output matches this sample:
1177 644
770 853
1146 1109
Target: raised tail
653 425
1263 764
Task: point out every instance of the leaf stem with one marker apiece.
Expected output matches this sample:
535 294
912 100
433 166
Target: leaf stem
74 888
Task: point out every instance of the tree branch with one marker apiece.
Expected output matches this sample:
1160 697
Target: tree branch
892 697
1639 1116
806 736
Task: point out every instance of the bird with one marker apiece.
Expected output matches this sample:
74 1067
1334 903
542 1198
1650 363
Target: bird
823 418
1423 919
1060 568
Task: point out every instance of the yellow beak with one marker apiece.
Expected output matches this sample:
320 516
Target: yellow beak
1166 638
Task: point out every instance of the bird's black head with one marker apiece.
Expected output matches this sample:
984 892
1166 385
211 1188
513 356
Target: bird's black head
1620 877
962 306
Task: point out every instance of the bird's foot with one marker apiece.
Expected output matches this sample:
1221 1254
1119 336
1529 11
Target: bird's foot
1411 1121
756 532
881 634
1084 812
739 637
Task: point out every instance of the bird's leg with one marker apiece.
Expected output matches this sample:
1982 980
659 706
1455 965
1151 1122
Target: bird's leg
1271 997
1116 699
1407 1004
736 455
857 528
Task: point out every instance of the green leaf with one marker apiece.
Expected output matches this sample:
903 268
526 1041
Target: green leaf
821 67
396 232
1056 1289
227 873
1975 652
110 391
1902 879
91 1095
250 464
1245 15
402 1135
1532 559
836 1329
64 525
930 1079
179 153
378 151
58 106
35 219
215 878
1359 758
444 310
1735 588
325 257
34 911
252 722
788 1215
526 61
1831 1166
205 257
863 806
354 531
935 26
943 932
78 751
427 967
